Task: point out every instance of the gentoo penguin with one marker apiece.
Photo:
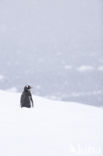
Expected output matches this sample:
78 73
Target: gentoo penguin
26 99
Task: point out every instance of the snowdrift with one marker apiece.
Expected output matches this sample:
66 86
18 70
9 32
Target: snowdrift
51 128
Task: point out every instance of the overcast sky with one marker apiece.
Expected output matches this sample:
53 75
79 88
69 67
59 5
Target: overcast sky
51 26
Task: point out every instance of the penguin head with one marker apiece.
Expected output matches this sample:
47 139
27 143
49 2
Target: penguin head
27 87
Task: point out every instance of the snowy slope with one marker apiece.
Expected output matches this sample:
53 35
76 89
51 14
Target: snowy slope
51 128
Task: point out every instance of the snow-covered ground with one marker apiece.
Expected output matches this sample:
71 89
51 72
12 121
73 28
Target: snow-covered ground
51 128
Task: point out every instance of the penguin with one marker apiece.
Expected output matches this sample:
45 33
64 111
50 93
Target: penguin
26 99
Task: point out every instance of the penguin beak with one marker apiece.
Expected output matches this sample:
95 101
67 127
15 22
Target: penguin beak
29 87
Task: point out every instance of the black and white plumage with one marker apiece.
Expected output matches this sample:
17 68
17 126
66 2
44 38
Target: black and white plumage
26 99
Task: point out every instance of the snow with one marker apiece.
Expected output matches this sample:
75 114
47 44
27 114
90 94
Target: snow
51 128
100 68
68 67
84 68
1 77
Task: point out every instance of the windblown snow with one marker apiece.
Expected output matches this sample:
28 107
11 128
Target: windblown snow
51 128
